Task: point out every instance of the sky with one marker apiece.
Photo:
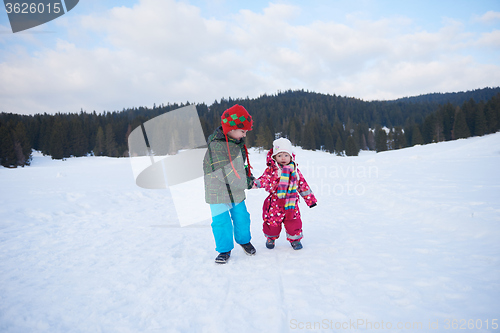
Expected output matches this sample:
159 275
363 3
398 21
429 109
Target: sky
112 55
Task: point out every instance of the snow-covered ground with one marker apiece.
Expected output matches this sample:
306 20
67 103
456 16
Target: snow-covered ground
401 240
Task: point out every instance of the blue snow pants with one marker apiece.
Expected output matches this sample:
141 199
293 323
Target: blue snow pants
229 219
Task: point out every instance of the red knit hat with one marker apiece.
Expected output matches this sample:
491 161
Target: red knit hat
236 117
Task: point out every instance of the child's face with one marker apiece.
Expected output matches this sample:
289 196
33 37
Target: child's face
283 158
237 134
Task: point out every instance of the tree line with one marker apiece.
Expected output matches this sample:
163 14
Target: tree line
345 126
336 124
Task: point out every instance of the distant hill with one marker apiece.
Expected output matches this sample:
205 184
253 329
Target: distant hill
342 125
455 98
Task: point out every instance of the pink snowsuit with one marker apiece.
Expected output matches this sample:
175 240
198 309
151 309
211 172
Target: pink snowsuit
273 210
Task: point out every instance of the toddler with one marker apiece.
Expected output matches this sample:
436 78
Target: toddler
284 182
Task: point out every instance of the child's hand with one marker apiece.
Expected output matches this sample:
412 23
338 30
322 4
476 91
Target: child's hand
254 186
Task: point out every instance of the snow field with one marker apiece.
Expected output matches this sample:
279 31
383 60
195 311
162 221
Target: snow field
404 237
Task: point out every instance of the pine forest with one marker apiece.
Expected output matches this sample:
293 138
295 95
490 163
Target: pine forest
339 125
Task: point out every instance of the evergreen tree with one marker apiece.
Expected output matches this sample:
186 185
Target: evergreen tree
371 140
460 128
56 147
264 137
399 138
351 148
339 147
78 140
381 140
110 142
308 138
390 140
469 108
321 134
250 138
428 128
360 134
492 114
294 131
22 145
416 137
448 118
33 132
480 127
7 152
129 130
438 134
363 144
328 144
46 123
99 149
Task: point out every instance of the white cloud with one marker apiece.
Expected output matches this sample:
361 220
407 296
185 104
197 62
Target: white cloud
445 75
490 17
490 40
163 51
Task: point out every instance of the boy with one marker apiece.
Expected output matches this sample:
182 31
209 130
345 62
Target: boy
226 178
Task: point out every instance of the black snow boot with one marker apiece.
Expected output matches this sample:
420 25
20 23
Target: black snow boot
223 257
270 243
296 245
248 248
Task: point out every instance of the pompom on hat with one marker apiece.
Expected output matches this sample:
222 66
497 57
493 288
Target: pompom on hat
236 117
